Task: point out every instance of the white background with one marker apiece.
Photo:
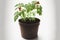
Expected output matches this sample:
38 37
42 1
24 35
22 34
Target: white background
47 28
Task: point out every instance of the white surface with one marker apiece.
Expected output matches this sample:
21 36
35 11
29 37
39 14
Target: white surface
47 28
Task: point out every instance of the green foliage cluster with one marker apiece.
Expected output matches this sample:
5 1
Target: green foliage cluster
27 11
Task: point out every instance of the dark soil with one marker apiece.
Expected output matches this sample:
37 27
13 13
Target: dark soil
28 21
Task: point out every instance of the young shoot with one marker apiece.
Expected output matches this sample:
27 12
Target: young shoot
26 10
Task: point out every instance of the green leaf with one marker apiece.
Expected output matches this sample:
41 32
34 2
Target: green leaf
20 13
19 5
28 7
16 15
26 12
39 10
33 6
23 14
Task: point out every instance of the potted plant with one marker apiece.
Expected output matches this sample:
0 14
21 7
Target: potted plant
28 23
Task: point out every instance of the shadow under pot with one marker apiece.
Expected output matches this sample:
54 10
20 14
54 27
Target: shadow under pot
29 30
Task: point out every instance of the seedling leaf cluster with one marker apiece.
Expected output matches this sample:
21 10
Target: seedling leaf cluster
27 11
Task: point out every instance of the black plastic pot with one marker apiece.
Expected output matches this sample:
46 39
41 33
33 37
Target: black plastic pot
29 30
